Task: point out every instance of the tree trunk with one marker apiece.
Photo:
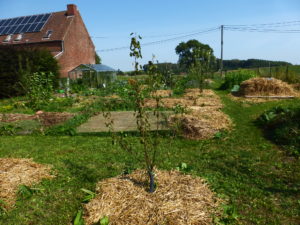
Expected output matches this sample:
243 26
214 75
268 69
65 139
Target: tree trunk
152 184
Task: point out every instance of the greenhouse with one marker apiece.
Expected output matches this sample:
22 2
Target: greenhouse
93 75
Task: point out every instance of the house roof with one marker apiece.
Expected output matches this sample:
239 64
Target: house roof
94 67
58 22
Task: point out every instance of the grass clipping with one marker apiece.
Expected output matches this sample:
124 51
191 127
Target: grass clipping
15 172
178 199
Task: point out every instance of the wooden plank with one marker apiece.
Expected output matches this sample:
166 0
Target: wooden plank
280 97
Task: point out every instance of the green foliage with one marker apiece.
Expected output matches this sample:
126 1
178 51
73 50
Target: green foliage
97 59
104 221
236 78
282 125
202 62
39 89
17 63
188 52
89 195
180 85
234 64
79 219
8 129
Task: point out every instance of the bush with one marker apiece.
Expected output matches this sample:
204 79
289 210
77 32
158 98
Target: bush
236 78
17 63
282 125
39 89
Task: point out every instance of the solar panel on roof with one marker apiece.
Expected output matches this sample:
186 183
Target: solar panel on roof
24 24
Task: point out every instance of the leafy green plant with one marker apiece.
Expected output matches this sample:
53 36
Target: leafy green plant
236 78
3 210
78 218
26 192
8 129
89 195
104 221
282 125
39 89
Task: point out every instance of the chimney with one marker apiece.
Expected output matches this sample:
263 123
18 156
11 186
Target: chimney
71 10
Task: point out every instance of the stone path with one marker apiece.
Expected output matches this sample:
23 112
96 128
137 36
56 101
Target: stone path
123 121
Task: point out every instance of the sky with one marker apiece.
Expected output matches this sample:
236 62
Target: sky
110 22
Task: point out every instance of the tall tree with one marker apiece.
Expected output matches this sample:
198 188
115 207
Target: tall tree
187 50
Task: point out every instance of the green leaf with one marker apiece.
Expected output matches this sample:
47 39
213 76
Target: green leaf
104 221
78 219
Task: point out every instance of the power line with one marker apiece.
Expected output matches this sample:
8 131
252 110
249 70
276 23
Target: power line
163 41
285 23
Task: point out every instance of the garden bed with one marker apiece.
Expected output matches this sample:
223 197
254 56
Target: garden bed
202 117
178 199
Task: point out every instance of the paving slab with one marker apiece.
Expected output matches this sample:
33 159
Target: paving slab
123 121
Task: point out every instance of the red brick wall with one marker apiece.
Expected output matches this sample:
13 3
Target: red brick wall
78 47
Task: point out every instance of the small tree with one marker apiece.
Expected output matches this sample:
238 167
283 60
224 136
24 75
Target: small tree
202 60
148 141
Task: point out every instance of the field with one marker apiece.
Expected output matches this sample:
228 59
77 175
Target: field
258 180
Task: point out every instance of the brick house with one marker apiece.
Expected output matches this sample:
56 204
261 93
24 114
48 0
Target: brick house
62 33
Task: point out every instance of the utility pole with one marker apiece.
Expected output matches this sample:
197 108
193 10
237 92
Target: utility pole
221 64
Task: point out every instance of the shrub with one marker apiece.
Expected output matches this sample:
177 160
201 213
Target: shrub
236 78
282 125
17 63
39 89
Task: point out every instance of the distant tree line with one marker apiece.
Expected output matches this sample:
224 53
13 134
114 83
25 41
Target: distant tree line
234 64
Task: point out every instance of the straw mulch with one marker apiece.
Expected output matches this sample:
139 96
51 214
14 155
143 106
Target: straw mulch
46 118
201 122
162 93
12 117
178 199
192 97
296 86
15 172
53 118
203 118
260 86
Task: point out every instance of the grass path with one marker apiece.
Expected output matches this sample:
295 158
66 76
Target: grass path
261 182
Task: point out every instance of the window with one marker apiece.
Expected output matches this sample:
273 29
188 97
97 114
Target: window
19 37
48 34
8 38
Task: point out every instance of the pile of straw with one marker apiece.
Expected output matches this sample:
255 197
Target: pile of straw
201 122
260 86
162 93
178 199
15 172
53 118
204 117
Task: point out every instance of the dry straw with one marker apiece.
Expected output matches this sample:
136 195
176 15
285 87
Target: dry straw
266 87
178 199
15 172
203 118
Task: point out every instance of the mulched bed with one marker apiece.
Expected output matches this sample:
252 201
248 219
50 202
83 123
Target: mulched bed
46 118
203 118
178 199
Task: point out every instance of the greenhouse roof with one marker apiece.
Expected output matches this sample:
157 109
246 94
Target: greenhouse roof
99 67
94 67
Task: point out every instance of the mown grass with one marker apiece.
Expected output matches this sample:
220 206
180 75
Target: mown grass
260 181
